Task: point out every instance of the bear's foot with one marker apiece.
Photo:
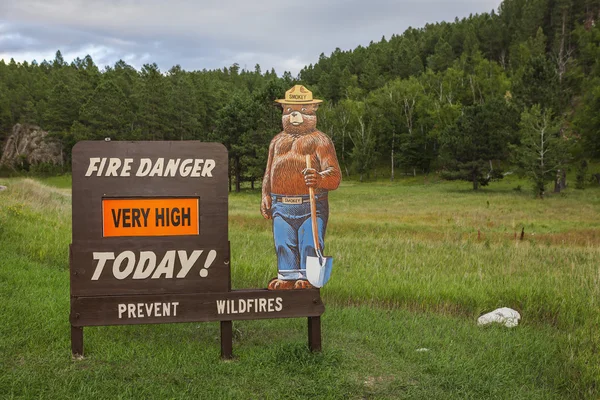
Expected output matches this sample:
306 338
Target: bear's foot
280 284
303 284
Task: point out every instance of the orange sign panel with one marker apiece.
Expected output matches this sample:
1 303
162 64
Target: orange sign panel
150 217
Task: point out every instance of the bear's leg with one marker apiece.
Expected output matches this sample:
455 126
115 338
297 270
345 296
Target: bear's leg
306 241
286 246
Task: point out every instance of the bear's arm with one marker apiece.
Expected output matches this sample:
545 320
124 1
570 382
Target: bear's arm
331 175
266 184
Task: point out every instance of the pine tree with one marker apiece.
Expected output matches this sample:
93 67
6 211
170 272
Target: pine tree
479 138
442 57
235 122
107 113
154 107
183 105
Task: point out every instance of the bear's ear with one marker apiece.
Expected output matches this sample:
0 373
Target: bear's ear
315 107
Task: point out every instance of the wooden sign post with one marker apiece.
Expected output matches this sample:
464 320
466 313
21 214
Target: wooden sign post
150 242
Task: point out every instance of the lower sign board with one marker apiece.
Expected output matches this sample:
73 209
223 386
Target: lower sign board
229 306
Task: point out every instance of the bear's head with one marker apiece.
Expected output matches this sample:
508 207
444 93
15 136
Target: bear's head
299 119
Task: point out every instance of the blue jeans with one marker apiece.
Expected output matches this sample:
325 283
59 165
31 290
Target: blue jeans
292 232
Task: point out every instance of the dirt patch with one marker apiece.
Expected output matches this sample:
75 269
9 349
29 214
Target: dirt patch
2 188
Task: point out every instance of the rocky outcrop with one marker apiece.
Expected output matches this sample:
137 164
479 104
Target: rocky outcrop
29 145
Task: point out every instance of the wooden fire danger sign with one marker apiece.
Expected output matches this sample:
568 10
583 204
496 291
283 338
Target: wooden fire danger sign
150 242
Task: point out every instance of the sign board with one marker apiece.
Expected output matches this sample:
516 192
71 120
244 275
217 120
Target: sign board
150 241
149 218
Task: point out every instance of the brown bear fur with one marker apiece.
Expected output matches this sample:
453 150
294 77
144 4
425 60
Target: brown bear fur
287 157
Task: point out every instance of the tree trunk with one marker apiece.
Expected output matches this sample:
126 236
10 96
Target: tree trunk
557 184
475 182
563 54
252 184
344 151
238 174
361 177
392 176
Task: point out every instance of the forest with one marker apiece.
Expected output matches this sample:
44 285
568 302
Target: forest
513 90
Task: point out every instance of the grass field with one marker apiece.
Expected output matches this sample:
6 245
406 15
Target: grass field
415 263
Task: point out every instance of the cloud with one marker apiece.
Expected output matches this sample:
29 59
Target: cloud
211 34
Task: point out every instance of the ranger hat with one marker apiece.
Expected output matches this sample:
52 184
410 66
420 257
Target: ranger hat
298 95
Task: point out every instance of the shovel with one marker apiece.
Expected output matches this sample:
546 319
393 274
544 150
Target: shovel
318 269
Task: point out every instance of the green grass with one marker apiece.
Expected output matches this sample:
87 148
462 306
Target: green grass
415 263
59 181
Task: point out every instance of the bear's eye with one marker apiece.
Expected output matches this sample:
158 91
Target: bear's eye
288 109
303 109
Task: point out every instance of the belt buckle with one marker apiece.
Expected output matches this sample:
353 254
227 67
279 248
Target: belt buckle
291 200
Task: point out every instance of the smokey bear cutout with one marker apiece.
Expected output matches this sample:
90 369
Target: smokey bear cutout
285 188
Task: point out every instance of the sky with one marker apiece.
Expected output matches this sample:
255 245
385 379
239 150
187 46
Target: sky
209 34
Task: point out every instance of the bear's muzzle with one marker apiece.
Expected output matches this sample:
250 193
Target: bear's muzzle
296 118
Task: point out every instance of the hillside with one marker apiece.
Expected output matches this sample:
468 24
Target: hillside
401 102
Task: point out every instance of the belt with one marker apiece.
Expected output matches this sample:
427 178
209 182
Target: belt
277 198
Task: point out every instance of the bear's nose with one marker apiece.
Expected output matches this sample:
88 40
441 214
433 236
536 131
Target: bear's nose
295 114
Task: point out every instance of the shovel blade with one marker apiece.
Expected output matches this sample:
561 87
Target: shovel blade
318 270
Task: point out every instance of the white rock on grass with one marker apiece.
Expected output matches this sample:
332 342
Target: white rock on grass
507 316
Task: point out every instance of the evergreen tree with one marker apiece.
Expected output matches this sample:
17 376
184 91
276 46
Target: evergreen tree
5 116
107 113
235 123
63 107
154 106
183 105
442 58
479 138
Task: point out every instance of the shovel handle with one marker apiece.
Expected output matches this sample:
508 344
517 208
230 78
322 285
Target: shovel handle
313 210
